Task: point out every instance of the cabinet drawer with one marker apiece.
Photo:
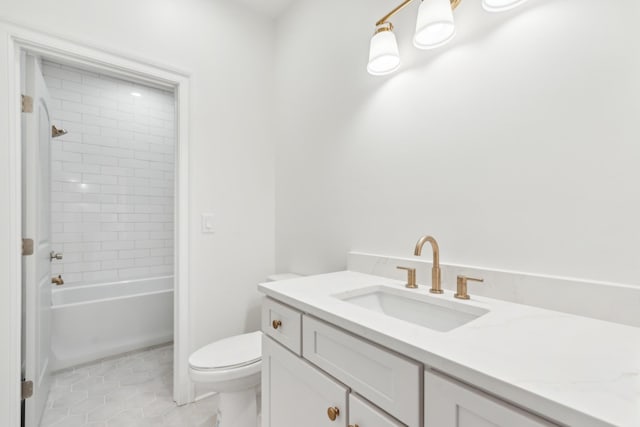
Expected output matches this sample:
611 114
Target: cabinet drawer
363 414
388 380
283 324
448 403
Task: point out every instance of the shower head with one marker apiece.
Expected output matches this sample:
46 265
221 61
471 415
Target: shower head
55 132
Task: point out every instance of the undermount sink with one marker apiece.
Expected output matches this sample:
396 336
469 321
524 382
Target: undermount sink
433 312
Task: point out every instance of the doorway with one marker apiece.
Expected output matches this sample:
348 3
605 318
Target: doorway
23 42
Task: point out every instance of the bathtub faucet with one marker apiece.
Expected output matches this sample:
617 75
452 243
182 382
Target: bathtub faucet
57 280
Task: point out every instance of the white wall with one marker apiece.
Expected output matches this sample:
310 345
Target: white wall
517 145
113 177
228 51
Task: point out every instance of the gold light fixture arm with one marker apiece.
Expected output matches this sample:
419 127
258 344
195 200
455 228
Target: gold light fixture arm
405 3
401 6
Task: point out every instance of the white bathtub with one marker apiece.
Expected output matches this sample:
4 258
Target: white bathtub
95 321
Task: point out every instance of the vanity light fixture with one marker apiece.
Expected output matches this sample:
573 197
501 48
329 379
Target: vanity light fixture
434 28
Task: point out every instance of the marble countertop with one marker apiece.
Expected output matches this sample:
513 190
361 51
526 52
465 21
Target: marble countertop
573 370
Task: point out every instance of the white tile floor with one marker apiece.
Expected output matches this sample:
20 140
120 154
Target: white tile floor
134 390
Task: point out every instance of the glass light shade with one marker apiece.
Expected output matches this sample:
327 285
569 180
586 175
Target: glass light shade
500 5
435 26
383 53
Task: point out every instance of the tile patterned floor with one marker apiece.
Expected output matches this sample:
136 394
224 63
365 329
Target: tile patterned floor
133 390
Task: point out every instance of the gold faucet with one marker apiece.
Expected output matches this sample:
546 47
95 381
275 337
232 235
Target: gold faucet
57 280
436 287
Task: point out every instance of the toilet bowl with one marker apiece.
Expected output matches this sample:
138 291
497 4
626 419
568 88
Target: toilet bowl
231 367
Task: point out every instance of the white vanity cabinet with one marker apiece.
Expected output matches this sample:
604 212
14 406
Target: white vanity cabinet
448 403
315 374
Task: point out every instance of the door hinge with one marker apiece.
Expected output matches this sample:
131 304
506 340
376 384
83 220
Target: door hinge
27 104
27 389
27 246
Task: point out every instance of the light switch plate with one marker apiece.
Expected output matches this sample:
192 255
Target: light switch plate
208 225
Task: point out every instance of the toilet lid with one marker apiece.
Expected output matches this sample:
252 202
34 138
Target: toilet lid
236 351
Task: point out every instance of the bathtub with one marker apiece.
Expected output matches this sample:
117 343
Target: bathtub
95 321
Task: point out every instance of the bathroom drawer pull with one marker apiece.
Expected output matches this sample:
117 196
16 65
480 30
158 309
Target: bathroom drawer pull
276 324
333 412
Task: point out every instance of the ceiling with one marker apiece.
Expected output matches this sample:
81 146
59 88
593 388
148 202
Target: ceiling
271 8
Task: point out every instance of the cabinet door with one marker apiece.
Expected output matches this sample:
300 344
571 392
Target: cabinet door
449 403
364 414
295 394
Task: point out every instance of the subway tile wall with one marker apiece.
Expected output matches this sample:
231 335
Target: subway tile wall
112 177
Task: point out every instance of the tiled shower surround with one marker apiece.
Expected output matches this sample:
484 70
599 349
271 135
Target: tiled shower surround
112 177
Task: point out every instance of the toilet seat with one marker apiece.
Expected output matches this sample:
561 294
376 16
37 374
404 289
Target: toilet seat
233 358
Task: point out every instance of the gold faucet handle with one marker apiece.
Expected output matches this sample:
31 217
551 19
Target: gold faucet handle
411 276
462 286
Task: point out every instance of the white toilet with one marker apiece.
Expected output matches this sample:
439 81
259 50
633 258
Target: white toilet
232 367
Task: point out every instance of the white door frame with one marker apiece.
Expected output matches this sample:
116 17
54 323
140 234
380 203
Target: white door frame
15 39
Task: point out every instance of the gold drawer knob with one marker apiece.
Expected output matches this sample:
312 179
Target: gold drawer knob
276 324
333 412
